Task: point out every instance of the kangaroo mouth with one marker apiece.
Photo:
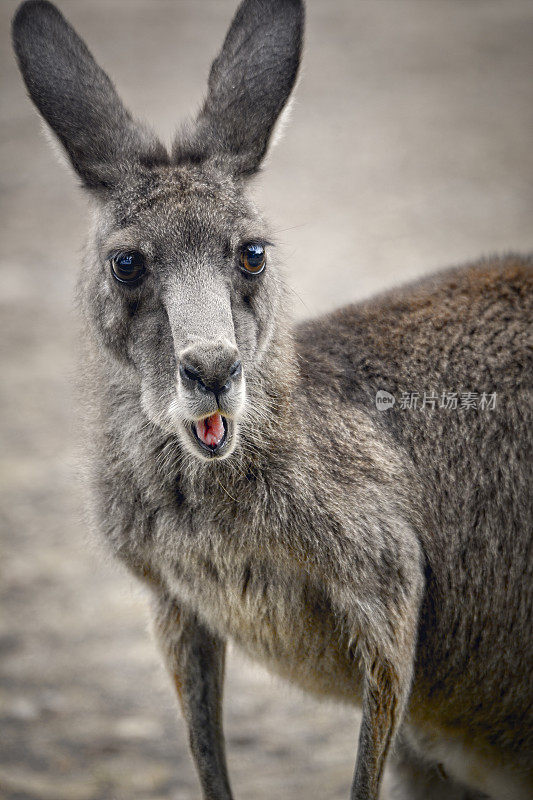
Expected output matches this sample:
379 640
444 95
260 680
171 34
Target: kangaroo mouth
211 433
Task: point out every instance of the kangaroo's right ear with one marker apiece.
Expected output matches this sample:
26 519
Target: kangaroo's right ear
77 99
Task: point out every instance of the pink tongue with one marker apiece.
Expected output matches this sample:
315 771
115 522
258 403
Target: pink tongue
210 430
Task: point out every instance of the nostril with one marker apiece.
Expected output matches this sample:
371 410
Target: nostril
235 370
188 372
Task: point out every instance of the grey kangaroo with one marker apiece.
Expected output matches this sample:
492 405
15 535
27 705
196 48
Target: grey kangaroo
244 469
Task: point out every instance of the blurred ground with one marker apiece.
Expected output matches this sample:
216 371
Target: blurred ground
409 149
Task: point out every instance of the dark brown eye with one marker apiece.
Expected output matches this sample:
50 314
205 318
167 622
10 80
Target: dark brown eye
253 258
128 267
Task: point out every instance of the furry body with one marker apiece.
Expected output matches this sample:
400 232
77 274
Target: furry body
448 490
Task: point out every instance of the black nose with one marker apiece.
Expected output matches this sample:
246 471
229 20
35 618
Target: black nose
218 380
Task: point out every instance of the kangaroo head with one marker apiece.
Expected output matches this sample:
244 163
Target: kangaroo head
179 283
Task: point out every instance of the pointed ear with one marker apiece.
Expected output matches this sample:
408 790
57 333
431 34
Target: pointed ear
77 99
249 84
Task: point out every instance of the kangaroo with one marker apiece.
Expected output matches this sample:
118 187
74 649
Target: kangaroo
278 485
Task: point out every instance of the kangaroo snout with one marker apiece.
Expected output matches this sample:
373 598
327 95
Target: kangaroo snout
212 368
211 391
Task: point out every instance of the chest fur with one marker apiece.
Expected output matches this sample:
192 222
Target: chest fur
275 616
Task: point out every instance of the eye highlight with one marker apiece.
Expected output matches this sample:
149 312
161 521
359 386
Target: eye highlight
253 258
128 267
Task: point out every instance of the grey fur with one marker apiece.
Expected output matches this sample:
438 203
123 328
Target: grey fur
381 558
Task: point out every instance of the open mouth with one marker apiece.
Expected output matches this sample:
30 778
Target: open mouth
211 433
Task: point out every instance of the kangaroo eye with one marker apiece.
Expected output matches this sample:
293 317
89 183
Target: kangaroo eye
128 267
253 258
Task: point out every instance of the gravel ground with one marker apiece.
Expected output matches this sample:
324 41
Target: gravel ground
409 149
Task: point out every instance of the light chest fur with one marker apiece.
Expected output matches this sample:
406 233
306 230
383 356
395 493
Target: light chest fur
277 618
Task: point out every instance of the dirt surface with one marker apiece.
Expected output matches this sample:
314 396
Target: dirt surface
409 148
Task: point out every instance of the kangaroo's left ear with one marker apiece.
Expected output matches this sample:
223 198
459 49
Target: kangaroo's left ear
249 84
